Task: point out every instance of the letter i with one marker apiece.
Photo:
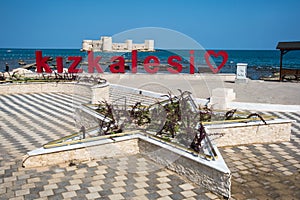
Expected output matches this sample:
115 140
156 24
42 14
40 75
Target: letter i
192 62
59 64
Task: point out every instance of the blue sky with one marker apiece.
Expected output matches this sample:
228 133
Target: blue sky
227 24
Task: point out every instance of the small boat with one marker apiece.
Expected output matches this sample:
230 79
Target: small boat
22 62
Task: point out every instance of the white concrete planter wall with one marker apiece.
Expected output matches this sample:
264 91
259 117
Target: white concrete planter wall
100 92
255 132
214 175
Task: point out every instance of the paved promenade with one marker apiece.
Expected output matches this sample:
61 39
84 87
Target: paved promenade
30 120
201 86
27 121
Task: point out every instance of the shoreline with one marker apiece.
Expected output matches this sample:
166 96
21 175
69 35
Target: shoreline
261 63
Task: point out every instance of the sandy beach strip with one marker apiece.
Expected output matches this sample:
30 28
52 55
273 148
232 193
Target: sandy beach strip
201 86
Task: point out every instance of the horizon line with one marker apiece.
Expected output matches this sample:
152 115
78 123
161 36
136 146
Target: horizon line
66 48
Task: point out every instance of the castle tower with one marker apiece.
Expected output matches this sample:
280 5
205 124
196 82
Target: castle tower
149 45
106 43
87 45
129 45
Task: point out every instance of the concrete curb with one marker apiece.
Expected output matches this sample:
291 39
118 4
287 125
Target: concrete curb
256 106
265 107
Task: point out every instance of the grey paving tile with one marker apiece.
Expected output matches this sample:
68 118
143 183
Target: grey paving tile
268 168
263 171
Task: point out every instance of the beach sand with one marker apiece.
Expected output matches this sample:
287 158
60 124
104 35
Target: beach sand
201 86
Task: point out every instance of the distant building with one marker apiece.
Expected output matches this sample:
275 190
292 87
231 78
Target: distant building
105 44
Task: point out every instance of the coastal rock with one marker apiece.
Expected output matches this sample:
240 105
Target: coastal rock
21 71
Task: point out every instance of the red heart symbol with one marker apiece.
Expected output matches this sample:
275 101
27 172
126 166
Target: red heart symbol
213 53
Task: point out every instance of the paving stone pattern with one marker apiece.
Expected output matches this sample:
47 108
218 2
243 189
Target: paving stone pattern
27 121
266 171
30 120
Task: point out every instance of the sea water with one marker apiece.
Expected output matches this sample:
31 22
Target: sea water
261 63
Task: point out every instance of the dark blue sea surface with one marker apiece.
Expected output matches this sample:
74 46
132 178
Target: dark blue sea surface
261 63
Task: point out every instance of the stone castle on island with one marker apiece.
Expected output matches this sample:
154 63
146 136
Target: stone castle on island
105 44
